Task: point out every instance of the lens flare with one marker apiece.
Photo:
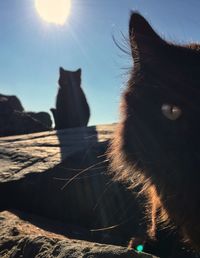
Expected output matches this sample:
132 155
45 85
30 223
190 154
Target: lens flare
53 11
140 248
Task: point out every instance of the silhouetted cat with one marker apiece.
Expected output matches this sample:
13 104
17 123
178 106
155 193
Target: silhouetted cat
72 109
157 142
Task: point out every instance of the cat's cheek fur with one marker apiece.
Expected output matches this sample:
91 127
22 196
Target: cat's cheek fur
160 185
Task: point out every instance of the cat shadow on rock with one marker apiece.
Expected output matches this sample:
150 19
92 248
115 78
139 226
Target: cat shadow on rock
72 109
78 194
157 142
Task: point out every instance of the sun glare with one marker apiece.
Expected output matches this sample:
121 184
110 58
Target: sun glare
53 11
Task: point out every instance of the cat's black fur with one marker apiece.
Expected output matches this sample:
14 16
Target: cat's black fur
72 109
161 154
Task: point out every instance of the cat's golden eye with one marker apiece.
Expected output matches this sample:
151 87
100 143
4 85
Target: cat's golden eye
171 112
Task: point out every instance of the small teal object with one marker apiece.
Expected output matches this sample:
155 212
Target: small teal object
139 248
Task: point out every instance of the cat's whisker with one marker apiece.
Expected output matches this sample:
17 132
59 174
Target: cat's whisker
124 47
81 172
79 178
101 196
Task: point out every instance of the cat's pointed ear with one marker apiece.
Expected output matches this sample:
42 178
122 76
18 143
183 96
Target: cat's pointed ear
143 39
61 70
79 72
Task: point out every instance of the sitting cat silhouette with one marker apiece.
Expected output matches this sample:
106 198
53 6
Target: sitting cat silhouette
157 142
72 109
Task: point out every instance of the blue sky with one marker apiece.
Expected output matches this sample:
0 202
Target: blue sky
32 50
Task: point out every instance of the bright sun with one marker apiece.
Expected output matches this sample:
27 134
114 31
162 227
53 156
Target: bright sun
53 11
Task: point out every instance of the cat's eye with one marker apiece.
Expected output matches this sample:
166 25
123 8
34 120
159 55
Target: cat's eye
171 112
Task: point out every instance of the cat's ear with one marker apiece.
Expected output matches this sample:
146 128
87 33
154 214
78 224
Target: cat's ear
143 39
79 72
61 70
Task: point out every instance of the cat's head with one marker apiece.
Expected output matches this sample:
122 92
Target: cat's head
160 107
69 77
157 140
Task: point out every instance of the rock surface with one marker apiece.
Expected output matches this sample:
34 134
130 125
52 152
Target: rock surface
62 176
14 120
19 238
10 103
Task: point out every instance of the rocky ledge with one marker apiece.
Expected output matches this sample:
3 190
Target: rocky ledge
19 238
64 202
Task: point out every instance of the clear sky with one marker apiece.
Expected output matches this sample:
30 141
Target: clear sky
32 50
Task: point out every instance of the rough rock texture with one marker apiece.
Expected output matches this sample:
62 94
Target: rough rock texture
43 117
62 177
19 238
9 103
20 123
14 120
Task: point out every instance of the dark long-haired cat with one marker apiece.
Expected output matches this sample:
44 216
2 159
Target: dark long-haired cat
157 142
72 109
